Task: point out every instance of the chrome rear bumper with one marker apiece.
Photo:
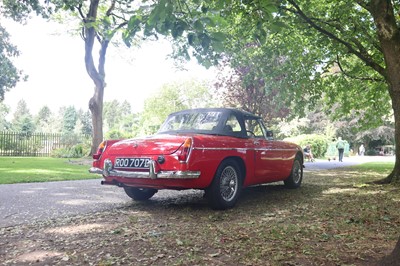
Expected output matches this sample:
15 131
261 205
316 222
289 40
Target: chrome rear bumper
152 174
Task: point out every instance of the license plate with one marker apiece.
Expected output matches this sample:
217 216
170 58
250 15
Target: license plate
142 163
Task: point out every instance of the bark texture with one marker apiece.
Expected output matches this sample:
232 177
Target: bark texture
97 75
389 38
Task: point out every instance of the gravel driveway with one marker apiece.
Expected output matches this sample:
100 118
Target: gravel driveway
25 203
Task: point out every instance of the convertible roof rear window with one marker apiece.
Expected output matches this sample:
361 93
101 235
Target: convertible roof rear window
199 120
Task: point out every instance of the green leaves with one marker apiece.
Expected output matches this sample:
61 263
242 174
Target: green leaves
9 74
218 41
308 66
198 25
160 12
178 28
196 28
133 27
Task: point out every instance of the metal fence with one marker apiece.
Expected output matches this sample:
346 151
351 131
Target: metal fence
37 144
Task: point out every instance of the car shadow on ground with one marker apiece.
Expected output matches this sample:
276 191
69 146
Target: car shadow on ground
262 194
274 193
317 183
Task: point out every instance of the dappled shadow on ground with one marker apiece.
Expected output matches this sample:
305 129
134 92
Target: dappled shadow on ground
335 218
177 199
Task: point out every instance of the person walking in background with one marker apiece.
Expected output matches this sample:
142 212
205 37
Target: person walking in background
361 150
340 146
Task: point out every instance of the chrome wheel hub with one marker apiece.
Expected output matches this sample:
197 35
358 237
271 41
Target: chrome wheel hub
229 183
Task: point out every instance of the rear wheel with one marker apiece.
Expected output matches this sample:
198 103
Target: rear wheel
140 194
226 186
296 175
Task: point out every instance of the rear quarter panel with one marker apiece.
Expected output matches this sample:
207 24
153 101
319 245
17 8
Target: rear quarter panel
209 151
275 165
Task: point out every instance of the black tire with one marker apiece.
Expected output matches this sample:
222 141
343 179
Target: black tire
296 175
226 186
140 194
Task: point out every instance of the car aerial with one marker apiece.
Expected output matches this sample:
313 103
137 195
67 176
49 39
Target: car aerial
218 150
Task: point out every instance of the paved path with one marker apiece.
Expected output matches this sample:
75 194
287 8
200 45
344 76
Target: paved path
347 161
24 203
28 202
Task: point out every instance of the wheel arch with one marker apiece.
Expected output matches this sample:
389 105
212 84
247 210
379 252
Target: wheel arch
300 156
241 164
293 180
216 191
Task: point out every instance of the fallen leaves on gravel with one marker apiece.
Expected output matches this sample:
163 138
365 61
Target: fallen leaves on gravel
334 219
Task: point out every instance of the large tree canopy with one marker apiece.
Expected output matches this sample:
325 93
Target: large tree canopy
344 52
350 50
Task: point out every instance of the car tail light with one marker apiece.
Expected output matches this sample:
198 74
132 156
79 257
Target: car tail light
184 150
100 150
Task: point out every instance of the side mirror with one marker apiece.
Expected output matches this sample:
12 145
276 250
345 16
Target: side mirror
270 135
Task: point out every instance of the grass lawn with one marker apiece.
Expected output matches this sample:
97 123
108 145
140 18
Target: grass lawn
42 169
375 167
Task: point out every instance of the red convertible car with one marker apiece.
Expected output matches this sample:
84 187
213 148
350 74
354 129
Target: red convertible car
219 150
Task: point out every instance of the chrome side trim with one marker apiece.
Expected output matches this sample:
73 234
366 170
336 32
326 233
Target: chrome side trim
247 149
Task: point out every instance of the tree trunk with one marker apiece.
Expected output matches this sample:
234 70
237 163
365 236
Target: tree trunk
394 177
98 76
96 108
389 38
393 258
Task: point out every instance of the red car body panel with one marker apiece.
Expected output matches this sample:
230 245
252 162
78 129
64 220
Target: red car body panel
264 161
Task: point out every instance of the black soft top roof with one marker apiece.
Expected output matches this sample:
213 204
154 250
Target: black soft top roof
219 128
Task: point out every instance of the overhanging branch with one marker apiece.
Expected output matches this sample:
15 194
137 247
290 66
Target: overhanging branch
364 56
355 77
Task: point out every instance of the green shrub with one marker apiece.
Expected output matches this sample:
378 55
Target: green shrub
76 151
71 139
60 153
319 143
115 134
